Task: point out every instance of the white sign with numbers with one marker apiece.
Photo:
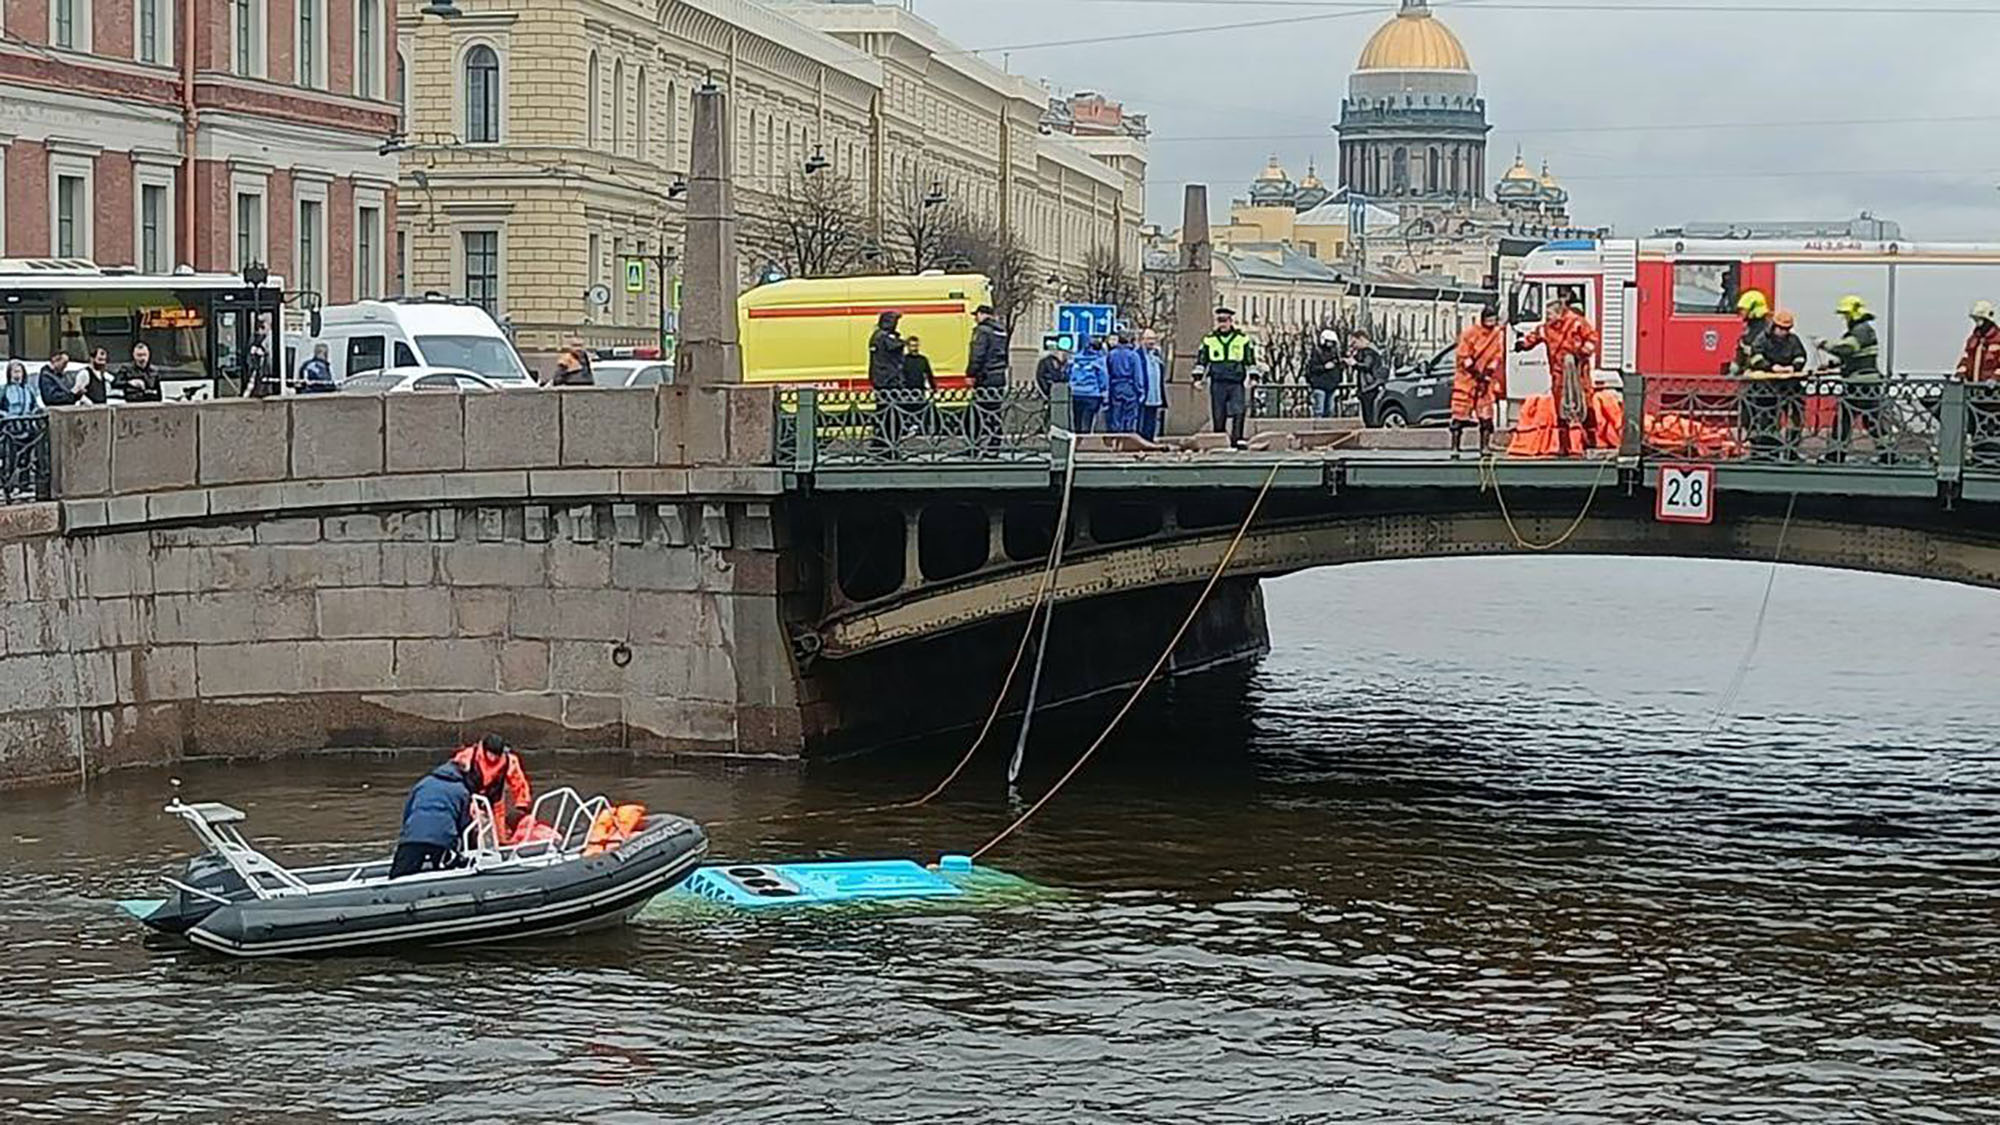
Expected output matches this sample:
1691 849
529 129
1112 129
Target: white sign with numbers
1687 494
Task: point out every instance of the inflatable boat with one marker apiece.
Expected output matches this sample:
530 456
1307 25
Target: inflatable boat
586 867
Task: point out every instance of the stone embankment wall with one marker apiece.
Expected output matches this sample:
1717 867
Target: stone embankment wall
583 568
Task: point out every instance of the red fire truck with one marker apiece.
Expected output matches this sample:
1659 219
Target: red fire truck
1667 306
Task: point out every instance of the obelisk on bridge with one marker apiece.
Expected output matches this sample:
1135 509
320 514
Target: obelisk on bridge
1194 288
709 352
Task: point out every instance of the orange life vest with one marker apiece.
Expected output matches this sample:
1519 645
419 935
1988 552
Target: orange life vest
613 827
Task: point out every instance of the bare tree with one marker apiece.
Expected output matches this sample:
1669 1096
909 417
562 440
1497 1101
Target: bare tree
985 246
922 228
817 229
1159 295
1104 280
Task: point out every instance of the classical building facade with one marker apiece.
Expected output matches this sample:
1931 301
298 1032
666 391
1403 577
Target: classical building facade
136 137
546 140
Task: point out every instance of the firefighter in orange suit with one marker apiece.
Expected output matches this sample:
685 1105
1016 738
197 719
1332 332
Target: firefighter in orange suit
1571 341
1480 380
497 775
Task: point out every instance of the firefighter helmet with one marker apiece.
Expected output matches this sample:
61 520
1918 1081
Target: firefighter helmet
1783 318
1852 307
1753 303
1985 310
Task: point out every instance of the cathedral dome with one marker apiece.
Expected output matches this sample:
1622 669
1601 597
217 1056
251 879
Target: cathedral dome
1274 186
1414 40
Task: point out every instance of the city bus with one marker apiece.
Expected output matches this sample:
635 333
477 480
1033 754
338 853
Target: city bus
209 333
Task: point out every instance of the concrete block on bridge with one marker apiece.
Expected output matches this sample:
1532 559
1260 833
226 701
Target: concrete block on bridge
609 427
80 443
335 436
154 446
244 440
424 433
514 430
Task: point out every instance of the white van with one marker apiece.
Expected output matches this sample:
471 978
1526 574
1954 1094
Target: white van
427 331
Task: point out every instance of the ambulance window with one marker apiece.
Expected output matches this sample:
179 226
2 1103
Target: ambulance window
1706 288
404 356
364 354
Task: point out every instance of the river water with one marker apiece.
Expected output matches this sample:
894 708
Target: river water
1464 848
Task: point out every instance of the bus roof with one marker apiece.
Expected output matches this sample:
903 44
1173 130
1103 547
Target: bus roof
76 273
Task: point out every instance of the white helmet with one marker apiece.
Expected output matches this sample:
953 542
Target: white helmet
1329 336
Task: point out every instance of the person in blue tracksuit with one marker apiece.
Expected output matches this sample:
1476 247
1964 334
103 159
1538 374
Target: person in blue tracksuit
1127 386
434 820
1089 381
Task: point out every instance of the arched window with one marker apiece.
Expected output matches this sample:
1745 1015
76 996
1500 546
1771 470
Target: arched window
593 108
482 96
645 118
618 107
673 125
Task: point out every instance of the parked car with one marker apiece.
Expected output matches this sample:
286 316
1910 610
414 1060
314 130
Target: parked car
631 372
1419 395
404 380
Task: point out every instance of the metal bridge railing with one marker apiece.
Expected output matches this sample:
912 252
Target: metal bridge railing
24 459
1982 429
1296 400
909 427
1901 421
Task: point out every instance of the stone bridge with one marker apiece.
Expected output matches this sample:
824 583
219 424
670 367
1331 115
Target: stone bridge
671 569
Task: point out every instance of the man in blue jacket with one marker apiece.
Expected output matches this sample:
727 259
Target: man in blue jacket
434 820
1127 369
1089 379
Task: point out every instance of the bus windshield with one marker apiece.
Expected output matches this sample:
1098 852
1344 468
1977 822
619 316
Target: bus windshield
173 325
489 356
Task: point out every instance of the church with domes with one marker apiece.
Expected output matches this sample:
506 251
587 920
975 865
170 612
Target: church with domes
1413 143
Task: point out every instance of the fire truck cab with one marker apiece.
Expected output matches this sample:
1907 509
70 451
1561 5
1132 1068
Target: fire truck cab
1667 306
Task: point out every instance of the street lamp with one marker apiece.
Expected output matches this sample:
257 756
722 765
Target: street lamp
936 196
817 162
442 9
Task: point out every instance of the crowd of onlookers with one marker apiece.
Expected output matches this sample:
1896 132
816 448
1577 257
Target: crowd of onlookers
92 383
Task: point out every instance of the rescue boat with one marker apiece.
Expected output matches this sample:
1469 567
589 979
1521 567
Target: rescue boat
584 867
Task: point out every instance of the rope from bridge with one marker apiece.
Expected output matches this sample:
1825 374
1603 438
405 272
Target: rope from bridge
1043 605
1489 481
1735 689
1166 654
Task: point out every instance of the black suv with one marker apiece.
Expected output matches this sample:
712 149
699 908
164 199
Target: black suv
1419 395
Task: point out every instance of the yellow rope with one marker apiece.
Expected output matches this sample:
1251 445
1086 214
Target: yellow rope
1132 700
1489 480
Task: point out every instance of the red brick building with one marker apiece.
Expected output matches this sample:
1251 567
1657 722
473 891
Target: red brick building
261 144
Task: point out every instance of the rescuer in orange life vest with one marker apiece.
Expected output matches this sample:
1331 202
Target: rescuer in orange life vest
1480 379
496 774
1572 347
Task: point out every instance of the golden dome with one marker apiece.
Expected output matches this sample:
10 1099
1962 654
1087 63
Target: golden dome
1520 171
1312 179
1273 172
1548 177
1414 40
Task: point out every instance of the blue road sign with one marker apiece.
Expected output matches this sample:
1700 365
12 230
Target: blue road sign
1091 321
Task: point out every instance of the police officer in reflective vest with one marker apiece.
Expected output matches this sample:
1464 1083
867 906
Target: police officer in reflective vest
1226 359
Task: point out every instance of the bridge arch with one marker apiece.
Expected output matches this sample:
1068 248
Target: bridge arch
1845 537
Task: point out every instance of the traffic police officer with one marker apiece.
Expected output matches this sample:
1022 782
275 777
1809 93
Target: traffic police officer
1226 359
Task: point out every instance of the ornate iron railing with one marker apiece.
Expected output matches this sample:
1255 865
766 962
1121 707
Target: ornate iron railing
1808 420
1982 425
24 459
907 427
1296 400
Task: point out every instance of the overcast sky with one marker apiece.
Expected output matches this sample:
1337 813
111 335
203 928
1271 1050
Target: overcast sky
1620 75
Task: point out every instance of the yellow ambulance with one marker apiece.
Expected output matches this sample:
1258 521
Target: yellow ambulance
814 332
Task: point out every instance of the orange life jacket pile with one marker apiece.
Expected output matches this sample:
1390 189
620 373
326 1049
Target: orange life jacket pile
1681 436
613 827
532 831
1538 434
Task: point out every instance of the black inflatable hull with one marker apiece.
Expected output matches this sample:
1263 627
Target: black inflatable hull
462 908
